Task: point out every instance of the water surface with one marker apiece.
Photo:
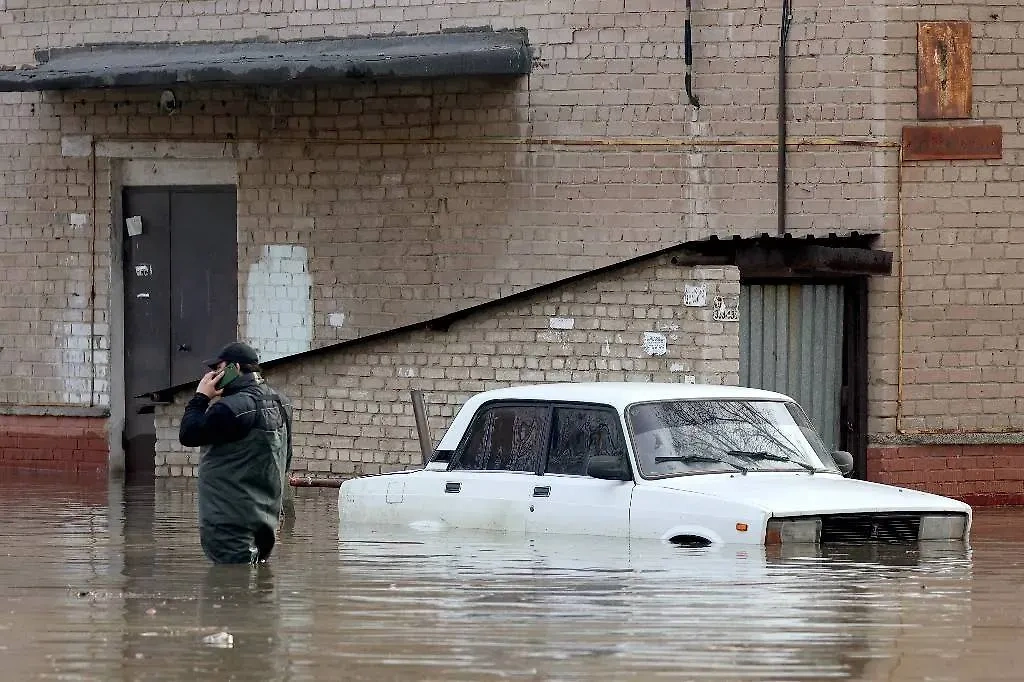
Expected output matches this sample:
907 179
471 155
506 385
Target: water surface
104 582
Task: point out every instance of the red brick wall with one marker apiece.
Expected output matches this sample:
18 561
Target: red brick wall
66 443
981 475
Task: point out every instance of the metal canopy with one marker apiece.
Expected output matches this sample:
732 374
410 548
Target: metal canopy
435 55
788 256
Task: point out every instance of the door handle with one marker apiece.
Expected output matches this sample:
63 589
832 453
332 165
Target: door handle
542 491
452 487
184 347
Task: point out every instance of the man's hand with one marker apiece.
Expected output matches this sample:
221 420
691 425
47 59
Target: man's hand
208 384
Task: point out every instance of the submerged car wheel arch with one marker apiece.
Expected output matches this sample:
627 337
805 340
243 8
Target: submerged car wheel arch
692 541
691 536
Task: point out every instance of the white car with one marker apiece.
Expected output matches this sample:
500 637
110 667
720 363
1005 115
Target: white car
690 464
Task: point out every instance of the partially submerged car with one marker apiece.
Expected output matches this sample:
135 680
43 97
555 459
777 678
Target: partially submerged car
689 464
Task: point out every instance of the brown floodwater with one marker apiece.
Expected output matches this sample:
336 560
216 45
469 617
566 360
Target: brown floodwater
100 581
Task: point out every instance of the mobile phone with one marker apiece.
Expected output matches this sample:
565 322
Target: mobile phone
230 374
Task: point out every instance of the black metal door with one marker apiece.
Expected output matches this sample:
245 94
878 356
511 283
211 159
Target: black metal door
181 297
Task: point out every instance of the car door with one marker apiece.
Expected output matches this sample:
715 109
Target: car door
565 499
494 470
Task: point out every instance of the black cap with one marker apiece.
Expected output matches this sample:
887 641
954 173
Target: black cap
236 351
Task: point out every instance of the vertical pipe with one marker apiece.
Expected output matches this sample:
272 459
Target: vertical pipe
899 292
420 412
688 58
787 16
92 275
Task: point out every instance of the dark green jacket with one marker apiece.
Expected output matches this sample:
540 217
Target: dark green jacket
246 442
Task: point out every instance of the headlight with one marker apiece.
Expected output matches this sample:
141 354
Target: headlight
942 527
792 531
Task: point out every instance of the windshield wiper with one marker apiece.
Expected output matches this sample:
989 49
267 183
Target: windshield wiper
698 458
755 455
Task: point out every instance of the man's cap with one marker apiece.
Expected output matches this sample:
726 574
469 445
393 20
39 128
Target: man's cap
236 351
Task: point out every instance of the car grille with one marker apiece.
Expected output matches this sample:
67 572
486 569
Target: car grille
887 528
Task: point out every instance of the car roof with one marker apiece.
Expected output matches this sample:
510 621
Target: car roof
618 394
623 393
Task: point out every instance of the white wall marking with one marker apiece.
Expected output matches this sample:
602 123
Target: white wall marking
279 302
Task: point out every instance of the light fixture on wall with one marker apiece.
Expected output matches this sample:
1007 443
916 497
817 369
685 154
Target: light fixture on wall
169 103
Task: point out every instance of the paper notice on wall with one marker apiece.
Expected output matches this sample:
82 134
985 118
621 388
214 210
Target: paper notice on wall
134 225
727 309
695 296
655 344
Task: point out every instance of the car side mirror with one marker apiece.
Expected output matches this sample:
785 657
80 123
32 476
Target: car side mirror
609 468
844 460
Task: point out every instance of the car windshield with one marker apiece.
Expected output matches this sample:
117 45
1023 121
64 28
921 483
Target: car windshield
682 437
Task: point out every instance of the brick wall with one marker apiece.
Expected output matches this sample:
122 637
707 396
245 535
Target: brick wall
411 200
982 475
353 414
399 222
46 442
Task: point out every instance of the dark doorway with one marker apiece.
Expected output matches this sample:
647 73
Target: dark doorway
181 297
807 338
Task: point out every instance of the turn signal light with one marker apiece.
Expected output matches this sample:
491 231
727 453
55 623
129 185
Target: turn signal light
741 527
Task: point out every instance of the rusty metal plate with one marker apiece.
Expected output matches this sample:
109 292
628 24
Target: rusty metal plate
930 143
944 69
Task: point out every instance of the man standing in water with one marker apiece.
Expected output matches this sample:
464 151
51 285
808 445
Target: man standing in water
247 451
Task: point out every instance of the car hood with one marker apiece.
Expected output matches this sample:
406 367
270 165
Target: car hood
799 493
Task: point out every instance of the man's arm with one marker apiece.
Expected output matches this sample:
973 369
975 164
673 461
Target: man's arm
203 424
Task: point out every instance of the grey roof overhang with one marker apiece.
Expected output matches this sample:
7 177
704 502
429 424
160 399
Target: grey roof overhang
480 52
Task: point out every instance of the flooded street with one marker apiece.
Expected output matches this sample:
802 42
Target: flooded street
101 582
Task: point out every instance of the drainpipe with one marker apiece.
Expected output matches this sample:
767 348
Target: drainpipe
787 18
92 274
688 58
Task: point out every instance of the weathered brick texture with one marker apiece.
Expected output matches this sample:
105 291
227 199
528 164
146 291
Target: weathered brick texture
411 200
353 414
398 220
65 443
987 475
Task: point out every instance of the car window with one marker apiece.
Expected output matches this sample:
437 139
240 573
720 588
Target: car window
505 438
580 433
682 437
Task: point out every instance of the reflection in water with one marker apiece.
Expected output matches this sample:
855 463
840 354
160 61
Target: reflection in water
100 582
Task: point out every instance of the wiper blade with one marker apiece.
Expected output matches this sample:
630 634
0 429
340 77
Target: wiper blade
751 454
698 458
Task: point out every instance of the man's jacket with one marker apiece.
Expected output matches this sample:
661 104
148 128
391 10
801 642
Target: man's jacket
246 454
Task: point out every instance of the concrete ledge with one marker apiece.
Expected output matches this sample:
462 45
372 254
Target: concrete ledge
53 411
962 438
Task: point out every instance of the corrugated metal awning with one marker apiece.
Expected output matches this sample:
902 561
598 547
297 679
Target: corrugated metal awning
435 55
